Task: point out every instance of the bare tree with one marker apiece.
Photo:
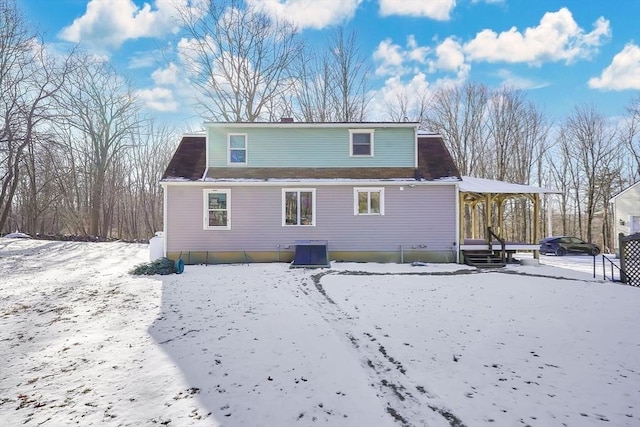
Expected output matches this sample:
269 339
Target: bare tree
506 128
313 90
332 84
594 147
408 106
458 113
239 60
29 81
139 207
72 180
516 135
349 72
560 165
630 136
103 114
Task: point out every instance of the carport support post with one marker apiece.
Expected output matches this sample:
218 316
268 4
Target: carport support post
473 219
500 202
487 216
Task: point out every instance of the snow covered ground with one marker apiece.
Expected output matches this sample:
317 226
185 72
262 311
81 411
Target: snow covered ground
84 343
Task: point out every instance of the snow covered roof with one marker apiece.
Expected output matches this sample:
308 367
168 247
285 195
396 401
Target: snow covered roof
637 184
482 185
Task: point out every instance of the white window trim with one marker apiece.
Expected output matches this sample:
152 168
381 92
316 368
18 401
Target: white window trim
357 190
371 132
284 206
246 149
205 206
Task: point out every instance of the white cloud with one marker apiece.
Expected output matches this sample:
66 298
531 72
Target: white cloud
190 49
396 92
434 9
166 76
623 73
450 57
557 38
309 13
394 88
390 57
158 99
393 59
107 23
416 53
141 60
512 80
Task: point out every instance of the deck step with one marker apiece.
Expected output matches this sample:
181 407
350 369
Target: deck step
482 259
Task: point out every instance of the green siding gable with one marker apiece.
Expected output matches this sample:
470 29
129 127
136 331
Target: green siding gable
313 147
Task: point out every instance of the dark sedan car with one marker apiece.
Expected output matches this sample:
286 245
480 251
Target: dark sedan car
562 245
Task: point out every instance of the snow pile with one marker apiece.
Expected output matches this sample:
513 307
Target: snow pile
83 342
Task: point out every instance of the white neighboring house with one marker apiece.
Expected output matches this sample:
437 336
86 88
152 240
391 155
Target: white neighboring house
626 212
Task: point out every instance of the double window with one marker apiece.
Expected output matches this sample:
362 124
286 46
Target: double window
368 201
237 149
361 142
298 207
217 208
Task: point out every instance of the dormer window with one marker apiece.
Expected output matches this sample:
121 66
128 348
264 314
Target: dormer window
237 149
361 142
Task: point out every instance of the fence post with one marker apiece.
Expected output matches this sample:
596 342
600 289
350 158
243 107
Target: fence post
623 256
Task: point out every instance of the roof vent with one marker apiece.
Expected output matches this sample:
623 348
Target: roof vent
286 120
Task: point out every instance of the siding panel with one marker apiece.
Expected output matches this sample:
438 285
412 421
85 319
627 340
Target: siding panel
314 147
420 215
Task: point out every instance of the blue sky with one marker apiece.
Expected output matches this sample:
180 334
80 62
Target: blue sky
562 53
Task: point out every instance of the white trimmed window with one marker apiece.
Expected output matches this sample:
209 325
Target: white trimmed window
217 209
237 149
368 201
361 142
298 207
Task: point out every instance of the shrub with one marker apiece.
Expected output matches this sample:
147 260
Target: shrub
161 266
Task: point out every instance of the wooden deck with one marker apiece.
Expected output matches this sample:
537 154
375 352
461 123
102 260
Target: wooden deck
472 244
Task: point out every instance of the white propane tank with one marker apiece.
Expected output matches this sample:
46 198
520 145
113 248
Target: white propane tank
156 246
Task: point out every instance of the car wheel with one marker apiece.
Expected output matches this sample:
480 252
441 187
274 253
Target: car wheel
561 251
594 251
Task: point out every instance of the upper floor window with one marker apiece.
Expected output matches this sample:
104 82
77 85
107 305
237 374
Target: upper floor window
368 201
298 206
361 142
237 148
217 206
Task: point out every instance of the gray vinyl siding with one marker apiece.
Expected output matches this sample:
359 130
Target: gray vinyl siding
420 215
313 147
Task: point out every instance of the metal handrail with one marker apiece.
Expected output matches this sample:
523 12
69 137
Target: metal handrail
502 241
621 272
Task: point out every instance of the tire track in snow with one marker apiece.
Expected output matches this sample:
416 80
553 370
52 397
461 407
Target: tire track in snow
407 403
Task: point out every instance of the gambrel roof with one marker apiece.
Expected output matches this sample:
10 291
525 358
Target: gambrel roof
189 160
189 164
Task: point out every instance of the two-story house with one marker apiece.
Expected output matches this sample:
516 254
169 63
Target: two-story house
626 213
249 191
